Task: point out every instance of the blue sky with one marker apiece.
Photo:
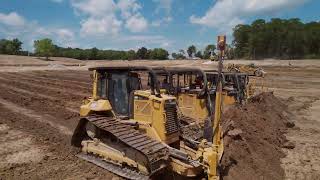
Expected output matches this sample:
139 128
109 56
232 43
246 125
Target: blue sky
130 24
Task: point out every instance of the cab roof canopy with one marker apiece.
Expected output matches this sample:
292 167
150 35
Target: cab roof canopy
178 70
121 68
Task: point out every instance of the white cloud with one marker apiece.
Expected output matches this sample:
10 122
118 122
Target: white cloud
151 40
164 4
97 8
100 26
65 34
13 25
128 7
161 22
102 17
226 13
12 19
136 23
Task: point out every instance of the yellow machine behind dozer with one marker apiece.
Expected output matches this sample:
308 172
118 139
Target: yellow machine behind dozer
195 89
129 128
251 69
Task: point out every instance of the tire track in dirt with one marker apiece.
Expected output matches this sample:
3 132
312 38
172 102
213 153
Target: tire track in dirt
60 90
68 106
66 75
22 77
84 81
59 160
35 79
47 119
56 109
19 90
67 97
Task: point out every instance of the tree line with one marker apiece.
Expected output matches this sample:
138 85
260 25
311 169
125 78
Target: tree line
45 47
193 52
12 47
278 38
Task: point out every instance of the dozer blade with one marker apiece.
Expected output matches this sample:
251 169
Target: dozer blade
118 170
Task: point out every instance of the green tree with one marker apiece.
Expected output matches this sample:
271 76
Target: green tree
142 53
93 53
241 35
16 43
181 51
3 43
199 55
159 54
191 50
178 55
10 46
131 55
174 55
278 38
44 47
208 51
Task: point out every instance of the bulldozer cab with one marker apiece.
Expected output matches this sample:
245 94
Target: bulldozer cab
117 85
189 86
182 80
234 86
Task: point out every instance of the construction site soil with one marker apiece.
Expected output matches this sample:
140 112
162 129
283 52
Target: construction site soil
253 137
39 111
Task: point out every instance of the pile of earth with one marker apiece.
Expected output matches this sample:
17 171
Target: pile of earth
254 138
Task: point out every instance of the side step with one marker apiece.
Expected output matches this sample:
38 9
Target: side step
118 170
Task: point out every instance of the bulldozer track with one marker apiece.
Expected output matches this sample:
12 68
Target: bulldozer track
156 153
123 172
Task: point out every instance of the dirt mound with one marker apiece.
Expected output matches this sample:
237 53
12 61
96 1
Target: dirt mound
253 138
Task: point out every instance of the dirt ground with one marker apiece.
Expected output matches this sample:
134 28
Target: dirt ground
39 105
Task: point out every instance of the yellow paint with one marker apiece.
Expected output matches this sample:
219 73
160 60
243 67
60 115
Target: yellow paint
228 100
94 106
191 106
95 85
184 169
150 109
111 154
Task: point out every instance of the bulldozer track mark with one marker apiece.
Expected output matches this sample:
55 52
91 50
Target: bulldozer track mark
63 75
32 114
36 80
58 90
85 83
27 94
19 90
57 96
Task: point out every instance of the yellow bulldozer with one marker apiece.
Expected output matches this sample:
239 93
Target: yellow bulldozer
195 91
131 129
191 87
